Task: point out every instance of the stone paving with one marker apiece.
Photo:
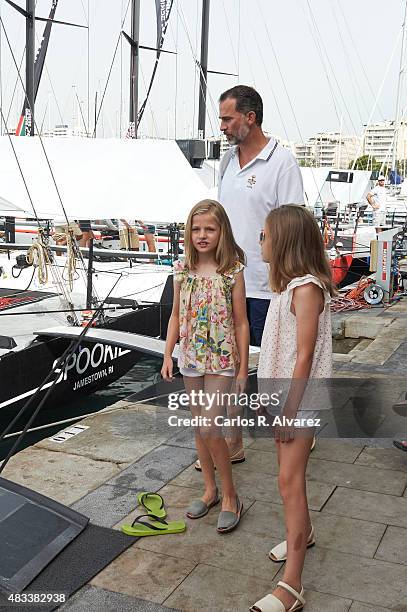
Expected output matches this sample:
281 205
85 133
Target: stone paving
359 511
357 495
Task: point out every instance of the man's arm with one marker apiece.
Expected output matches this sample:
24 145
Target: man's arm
371 199
110 224
290 189
224 162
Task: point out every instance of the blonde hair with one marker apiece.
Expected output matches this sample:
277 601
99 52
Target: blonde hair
228 252
296 248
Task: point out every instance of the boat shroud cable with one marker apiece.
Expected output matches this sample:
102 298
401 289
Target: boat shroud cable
59 363
73 252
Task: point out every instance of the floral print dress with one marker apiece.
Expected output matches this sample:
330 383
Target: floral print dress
207 336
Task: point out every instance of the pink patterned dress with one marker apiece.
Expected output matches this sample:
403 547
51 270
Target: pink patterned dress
207 335
278 352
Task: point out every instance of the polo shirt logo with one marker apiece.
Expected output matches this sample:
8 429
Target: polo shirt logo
251 181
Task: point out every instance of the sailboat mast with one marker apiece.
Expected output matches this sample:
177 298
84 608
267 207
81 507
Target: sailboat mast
399 89
1 78
29 66
134 65
204 68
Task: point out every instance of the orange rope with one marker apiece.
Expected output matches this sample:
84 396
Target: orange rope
352 299
358 291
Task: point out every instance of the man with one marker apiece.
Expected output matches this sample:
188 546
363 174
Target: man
61 228
377 200
149 233
87 234
256 176
128 235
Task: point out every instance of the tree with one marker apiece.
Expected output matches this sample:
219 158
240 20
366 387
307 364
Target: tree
365 162
401 166
307 163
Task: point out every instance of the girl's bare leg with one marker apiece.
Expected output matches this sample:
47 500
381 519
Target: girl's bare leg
293 459
234 438
208 470
215 387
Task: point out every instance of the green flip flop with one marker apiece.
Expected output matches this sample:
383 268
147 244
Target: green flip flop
153 503
157 526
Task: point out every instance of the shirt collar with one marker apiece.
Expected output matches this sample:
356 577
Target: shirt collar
264 153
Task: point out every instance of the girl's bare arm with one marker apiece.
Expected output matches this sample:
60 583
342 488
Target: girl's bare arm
307 305
172 334
241 323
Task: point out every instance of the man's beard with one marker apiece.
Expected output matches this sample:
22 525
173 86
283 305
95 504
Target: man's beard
237 139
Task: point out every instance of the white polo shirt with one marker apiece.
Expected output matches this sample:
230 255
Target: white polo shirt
248 194
379 195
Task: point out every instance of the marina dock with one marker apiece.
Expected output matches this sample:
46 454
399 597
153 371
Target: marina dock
357 493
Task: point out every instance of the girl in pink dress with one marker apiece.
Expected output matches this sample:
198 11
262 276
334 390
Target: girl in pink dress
296 345
209 319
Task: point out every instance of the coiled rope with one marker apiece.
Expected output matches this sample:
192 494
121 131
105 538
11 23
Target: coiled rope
38 256
352 299
70 273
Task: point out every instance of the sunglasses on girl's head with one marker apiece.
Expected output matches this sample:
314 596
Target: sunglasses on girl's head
262 236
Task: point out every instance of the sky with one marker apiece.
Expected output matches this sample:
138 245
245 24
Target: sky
320 65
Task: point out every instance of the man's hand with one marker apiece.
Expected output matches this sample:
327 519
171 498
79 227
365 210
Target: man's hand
375 206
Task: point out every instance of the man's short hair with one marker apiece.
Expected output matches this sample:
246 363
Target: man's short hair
247 99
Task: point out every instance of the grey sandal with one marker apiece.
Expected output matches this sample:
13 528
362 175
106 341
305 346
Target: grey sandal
227 520
198 508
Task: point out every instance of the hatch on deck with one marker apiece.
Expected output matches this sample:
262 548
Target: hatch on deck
33 530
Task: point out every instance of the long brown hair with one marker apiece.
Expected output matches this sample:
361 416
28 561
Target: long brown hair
228 252
296 248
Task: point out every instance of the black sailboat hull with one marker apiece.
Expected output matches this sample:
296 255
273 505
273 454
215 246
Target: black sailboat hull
90 368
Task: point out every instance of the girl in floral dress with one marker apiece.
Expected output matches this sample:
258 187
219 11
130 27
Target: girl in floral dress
209 318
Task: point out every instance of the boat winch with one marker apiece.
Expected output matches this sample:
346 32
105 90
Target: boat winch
21 264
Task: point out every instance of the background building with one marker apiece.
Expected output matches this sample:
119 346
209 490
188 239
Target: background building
305 153
329 150
379 141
